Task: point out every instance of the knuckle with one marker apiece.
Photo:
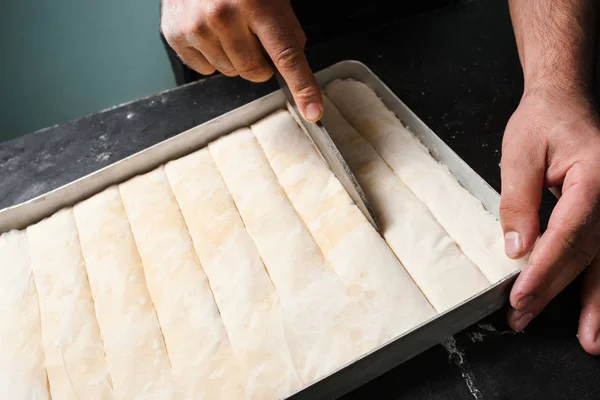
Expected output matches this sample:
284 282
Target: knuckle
250 65
196 27
570 244
205 69
305 90
511 208
173 34
218 12
288 57
227 69
185 31
258 73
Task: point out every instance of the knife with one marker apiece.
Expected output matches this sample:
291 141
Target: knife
331 155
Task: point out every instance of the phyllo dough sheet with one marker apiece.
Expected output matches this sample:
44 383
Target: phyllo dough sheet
242 270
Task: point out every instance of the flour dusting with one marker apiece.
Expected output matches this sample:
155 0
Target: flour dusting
458 357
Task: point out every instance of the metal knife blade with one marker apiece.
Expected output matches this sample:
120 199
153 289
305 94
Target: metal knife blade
331 155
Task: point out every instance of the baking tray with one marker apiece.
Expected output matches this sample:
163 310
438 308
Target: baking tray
384 357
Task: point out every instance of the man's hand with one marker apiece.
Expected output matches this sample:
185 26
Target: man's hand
553 140
230 35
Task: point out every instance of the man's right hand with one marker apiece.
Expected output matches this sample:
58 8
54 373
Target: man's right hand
230 35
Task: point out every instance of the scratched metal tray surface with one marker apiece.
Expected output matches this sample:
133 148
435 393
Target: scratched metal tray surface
381 359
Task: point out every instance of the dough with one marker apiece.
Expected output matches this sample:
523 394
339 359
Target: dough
249 305
359 256
432 258
195 337
322 323
22 372
476 231
73 347
135 351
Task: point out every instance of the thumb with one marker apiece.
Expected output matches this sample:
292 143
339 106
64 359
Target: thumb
522 170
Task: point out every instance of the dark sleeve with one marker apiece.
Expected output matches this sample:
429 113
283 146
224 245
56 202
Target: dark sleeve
323 22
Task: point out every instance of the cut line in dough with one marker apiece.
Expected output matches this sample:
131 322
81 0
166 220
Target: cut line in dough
75 360
433 259
322 324
249 305
135 351
361 258
475 230
22 372
199 349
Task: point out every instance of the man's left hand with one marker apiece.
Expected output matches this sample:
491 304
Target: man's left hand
553 140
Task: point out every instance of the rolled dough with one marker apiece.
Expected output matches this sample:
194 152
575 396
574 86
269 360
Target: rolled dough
323 326
359 256
249 305
198 346
432 258
135 351
475 230
22 372
75 359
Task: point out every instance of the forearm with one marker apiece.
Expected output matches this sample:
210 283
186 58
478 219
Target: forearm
556 41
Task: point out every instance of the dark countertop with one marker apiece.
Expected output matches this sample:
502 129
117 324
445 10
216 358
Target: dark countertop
458 70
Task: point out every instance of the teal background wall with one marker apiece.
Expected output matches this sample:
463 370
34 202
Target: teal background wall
63 59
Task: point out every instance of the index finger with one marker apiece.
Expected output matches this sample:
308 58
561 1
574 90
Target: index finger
283 39
564 250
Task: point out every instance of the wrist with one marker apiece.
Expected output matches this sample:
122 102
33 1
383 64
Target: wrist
557 86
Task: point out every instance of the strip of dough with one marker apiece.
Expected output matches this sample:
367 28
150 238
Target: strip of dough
22 373
476 231
247 300
135 351
441 270
323 326
196 340
73 347
353 248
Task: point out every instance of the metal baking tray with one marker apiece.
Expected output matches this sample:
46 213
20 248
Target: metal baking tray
382 358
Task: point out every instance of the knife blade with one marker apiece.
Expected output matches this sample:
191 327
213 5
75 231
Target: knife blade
332 156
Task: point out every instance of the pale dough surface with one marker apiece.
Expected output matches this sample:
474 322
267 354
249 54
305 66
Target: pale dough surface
360 257
135 351
22 372
244 270
197 344
476 231
248 303
323 325
432 258
71 338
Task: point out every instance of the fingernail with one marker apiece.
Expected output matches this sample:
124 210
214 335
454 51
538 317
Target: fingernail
512 244
522 321
523 303
313 112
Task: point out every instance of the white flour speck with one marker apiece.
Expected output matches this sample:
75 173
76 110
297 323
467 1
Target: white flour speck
487 327
102 157
476 336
